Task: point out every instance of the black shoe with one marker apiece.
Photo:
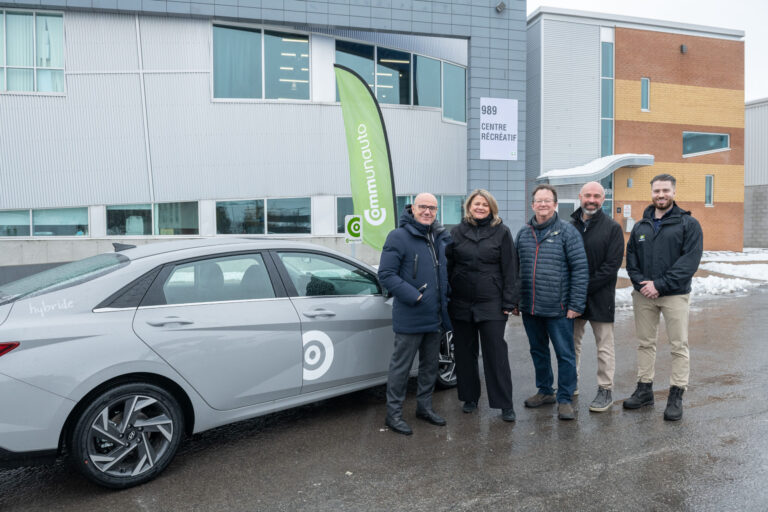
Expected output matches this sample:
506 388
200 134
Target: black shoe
642 396
469 407
674 410
431 416
508 414
398 425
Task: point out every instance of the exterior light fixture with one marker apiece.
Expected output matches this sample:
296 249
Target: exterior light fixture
500 7
683 48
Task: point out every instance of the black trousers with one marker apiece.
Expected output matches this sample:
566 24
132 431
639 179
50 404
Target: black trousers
498 378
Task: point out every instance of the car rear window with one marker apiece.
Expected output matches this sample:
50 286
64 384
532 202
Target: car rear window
62 276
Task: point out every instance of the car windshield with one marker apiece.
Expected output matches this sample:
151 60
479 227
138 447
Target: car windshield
62 276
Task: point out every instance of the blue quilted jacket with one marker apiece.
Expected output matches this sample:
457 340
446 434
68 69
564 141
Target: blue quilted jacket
554 273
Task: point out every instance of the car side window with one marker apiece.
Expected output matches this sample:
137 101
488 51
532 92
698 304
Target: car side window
233 277
317 274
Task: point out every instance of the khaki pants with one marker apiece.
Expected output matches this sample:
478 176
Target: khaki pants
675 310
606 356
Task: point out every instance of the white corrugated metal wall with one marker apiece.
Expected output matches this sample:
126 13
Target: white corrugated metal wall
756 143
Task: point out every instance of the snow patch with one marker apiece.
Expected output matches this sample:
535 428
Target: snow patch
758 271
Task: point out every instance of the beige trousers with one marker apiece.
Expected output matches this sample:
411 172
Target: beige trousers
675 310
606 356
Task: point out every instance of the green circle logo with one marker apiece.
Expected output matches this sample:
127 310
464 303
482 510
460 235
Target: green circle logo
354 227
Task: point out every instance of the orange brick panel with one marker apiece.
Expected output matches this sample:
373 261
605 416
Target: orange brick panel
665 142
709 62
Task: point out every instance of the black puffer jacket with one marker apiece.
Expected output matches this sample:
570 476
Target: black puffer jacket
604 245
482 271
670 257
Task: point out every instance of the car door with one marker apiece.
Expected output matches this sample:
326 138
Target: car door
346 324
226 325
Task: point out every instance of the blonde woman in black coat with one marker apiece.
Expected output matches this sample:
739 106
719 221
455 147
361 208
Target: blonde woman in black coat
482 272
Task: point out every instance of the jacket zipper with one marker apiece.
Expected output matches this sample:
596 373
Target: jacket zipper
535 262
430 244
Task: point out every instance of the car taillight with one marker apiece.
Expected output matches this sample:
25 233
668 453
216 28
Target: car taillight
7 347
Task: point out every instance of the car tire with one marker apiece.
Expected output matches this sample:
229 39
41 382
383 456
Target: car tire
120 452
446 372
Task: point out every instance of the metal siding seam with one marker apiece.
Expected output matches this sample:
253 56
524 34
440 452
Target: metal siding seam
151 183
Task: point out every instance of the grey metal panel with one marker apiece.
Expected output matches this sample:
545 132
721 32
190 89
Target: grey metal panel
533 98
452 49
100 41
202 149
570 117
169 43
755 148
80 149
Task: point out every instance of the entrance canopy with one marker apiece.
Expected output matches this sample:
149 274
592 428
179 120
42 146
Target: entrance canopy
594 170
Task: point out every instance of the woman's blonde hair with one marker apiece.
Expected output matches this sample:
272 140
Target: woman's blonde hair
492 204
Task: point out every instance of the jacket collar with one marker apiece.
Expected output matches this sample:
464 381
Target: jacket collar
674 213
576 216
416 228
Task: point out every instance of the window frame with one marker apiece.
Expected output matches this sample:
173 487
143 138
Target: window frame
117 206
261 27
709 151
29 224
647 97
4 65
709 178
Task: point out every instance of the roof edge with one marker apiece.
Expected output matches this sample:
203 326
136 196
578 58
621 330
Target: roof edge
594 170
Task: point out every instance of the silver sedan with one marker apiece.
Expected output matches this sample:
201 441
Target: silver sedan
115 358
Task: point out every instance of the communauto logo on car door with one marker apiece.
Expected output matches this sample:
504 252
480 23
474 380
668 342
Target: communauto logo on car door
318 354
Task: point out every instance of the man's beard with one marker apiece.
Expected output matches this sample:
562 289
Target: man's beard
657 203
588 212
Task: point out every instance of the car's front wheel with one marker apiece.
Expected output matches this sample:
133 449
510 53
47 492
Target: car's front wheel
446 373
127 435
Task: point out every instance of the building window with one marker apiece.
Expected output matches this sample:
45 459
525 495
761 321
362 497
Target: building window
709 184
606 99
697 143
454 92
14 223
240 217
236 62
358 58
176 218
286 66
344 207
289 216
60 222
426 81
129 220
645 94
239 71
393 77
32 48
452 210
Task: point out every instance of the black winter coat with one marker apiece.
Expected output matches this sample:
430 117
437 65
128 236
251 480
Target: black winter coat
413 256
482 272
670 257
604 245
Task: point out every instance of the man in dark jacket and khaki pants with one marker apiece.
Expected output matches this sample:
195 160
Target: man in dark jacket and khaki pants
413 269
663 253
604 244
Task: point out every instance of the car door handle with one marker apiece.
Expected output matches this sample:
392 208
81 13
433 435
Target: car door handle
319 312
169 320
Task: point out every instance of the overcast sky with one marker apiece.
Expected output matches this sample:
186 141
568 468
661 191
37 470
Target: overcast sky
751 16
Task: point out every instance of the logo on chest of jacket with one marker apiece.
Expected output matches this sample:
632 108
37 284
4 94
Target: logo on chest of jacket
641 238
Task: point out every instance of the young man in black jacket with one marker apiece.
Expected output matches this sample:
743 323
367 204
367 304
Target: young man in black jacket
604 244
663 253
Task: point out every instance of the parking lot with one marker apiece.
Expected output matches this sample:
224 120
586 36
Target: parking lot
337 455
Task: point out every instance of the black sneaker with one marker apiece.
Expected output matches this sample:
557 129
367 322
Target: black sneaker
602 402
642 396
538 400
674 410
469 407
508 414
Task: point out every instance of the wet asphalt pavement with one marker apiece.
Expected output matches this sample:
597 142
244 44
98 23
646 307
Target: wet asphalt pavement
335 455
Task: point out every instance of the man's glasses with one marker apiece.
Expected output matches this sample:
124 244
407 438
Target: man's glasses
427 207
543 201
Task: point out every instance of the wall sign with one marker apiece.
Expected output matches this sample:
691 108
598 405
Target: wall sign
498 129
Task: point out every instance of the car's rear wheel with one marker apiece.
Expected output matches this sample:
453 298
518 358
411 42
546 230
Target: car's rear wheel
446 373
127 435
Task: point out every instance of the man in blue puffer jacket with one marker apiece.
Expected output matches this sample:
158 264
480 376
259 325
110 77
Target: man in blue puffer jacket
413 269
554 275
